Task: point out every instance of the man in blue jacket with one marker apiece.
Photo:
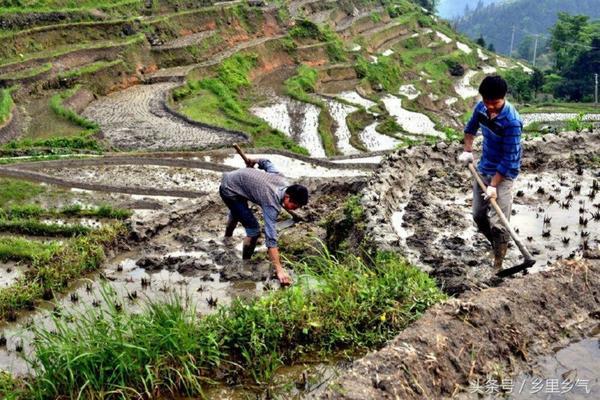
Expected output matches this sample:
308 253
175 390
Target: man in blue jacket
269 189
500 160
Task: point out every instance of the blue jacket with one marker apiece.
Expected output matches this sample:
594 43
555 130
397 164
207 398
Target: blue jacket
501 140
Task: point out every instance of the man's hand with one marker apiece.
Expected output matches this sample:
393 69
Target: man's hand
490 193
250 162
283 277
466 157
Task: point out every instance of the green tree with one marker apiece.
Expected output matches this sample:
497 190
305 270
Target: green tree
491 47
536 81
569 37
480 41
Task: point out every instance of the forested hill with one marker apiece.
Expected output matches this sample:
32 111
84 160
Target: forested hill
495 21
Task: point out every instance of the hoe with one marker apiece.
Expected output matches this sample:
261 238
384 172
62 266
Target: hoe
529 261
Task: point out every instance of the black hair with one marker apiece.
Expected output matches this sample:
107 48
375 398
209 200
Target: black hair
298 194
493 87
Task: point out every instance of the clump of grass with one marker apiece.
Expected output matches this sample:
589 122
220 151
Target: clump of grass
36 228
384 72
19 249
73 258
89 69
71 210
389 127
577 124
16 191
166 350
224 107
6 105
56 104
357 122
300 87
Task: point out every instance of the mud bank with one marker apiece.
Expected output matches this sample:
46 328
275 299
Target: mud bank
418 203
496 332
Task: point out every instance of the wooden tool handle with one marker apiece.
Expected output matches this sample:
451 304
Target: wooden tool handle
503 219
241 153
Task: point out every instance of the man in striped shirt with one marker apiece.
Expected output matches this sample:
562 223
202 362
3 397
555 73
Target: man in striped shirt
269 189
500 160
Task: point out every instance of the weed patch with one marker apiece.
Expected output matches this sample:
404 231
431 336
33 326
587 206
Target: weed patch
166 349
6 105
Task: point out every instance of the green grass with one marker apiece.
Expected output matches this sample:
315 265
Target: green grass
19 249
6 105
56 105
588 108
302 84
62 50
84 141
28 73
41 6
357 122
74 210
34 227
301 87
16 192
74 258
167 349
89 69
219 101
384 72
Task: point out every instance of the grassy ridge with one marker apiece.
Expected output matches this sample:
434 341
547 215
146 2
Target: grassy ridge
300 87
6 105
52 273
18 249
83 141
225 106
167 349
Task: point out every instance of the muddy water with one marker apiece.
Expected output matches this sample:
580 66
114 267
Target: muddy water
375 141
139 176
303 380
411 122
436 231
572 373
294 168
339 112
562 235
297 120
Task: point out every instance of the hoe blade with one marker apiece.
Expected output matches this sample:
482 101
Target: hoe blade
517 268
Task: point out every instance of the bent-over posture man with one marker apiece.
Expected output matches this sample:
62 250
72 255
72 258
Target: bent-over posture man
268 188
500 160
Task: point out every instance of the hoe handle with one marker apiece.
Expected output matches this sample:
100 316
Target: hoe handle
503 219
241 153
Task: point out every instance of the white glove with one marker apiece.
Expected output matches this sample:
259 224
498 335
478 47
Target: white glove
466 157
490 193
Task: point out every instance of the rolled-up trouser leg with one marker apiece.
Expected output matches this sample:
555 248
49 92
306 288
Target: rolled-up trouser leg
480 212
485 216
504 200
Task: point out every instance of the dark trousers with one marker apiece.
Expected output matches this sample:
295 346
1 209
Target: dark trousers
240 212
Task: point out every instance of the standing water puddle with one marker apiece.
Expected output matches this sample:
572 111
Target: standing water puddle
570 374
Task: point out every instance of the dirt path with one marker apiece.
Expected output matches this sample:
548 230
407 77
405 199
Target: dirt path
136 118
497 332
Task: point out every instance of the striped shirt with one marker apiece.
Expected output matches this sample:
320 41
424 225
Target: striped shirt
265 187
501 140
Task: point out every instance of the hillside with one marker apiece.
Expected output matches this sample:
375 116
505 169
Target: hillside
225 67
527 16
